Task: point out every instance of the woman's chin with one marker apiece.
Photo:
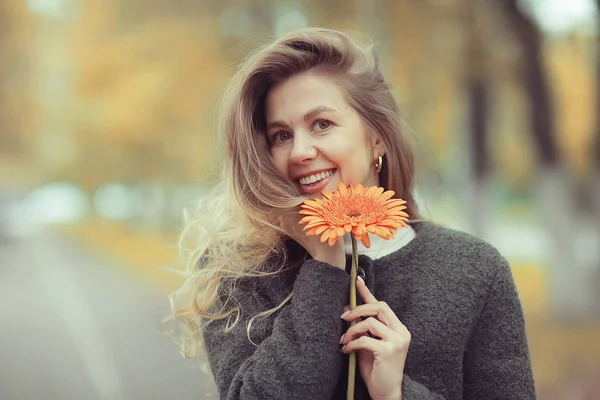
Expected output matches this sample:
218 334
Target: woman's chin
332 186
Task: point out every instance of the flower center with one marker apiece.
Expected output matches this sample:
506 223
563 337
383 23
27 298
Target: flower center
353 214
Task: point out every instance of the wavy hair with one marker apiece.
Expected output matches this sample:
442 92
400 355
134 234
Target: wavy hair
230 236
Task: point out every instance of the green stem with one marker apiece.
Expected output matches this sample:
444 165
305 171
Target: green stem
352 359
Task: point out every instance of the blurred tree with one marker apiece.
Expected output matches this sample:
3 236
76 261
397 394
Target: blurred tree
15 81
595 149
594 181
245 24
572 292
147 88
422 65
478 92
596 145
10 142
536 83
18 108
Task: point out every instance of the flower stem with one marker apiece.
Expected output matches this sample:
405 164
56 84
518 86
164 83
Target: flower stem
352 357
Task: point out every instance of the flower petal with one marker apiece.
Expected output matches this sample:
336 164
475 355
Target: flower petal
311 208
396 210
388 222
382 232
387 195
394 203
332 240
378 192
328 195
315 226
358 230
310 218
316 222
313 203
372 190
306 211
310 232
332 232
365 240
321 229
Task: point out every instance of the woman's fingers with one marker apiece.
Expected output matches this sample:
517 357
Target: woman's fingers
364 292
367 310
364 343
379 310
369 325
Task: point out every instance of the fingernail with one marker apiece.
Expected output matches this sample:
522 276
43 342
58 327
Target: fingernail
345 314
361 279
342 338
343 347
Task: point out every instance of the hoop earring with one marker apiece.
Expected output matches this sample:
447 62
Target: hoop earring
379 164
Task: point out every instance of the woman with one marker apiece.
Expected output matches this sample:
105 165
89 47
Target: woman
440 317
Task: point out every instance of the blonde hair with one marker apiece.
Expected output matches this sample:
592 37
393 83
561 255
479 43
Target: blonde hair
230 235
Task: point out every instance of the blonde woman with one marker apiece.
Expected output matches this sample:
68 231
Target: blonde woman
440 317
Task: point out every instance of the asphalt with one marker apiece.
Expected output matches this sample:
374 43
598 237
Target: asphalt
74 328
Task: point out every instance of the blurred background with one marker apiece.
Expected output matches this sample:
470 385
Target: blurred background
107 132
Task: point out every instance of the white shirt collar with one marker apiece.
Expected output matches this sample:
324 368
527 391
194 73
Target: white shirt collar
381 247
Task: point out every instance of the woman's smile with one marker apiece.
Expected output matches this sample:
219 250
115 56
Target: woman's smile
316 182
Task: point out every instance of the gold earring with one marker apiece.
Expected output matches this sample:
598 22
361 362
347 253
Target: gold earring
379 164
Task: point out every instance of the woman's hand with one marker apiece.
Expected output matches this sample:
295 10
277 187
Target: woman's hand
333 255
381 359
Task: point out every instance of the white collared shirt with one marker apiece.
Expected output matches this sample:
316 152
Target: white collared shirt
381 247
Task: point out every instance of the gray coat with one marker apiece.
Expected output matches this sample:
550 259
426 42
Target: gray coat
454 292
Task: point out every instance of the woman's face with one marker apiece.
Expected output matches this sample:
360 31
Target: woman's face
317 140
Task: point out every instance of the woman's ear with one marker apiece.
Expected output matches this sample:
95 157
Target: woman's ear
378 147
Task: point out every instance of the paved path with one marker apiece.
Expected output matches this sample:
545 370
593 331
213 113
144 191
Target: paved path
75 328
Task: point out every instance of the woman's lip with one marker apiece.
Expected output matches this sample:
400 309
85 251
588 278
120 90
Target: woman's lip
316 188
312 173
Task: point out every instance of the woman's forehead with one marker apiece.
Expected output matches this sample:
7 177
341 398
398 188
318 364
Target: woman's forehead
302 94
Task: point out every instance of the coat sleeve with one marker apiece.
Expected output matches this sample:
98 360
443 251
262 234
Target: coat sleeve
497 364
298 354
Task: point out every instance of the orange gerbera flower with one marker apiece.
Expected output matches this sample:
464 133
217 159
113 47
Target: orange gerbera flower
354 209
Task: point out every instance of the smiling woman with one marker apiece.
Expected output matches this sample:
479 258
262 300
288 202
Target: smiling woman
440 317
319 147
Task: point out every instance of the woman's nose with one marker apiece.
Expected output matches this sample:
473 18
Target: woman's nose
303 150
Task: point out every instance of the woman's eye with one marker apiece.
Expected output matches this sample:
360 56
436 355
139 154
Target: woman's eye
322 124
281 137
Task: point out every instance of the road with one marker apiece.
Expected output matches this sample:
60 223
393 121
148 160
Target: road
76 327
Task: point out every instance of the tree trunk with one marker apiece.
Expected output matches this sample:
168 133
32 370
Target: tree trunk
478 94
595 175
571 291
594 181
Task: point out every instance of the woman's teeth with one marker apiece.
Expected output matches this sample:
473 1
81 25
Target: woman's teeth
307 180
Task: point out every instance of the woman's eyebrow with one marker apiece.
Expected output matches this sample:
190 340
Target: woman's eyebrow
317 110
308 116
